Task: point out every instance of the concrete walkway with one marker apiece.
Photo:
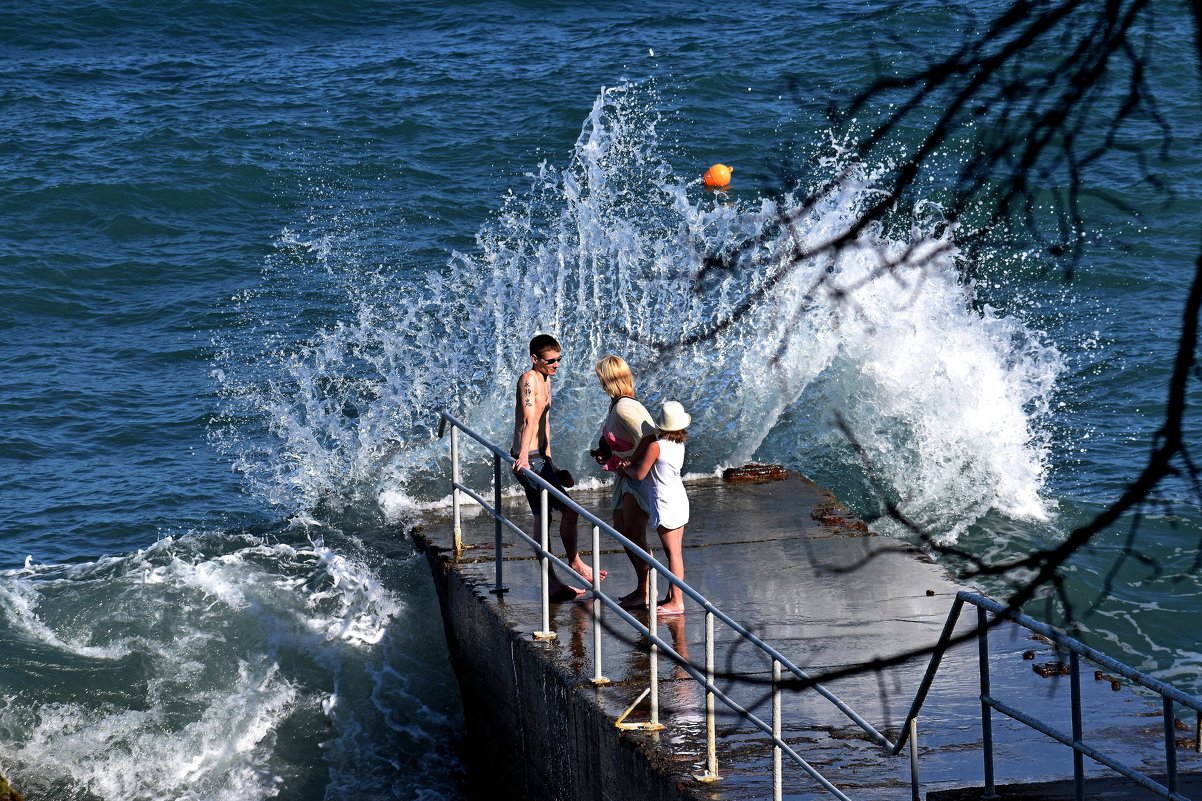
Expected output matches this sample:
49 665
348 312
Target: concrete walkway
828 596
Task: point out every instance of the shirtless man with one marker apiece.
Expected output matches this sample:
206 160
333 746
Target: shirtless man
531 450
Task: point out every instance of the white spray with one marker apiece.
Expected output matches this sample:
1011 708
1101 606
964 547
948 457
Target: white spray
705 296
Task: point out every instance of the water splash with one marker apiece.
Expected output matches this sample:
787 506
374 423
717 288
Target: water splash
615 253
222 655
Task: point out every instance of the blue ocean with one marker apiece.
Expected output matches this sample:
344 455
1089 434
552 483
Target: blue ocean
251 250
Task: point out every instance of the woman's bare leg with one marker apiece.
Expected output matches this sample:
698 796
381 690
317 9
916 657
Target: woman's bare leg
673 603
634 528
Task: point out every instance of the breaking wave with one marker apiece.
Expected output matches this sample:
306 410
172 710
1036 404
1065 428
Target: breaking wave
776 356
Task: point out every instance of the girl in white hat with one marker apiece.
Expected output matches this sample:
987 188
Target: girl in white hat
662 460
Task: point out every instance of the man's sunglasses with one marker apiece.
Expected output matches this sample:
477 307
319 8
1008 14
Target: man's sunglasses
551 361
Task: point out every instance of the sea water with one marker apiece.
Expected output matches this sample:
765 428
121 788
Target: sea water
250 251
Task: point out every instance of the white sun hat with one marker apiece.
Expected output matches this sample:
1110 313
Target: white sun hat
673 417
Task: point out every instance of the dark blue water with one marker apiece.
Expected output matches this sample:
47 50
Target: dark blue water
251 250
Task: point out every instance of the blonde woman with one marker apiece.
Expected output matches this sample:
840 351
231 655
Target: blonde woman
627 431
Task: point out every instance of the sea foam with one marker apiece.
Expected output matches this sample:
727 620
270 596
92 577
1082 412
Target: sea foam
215 648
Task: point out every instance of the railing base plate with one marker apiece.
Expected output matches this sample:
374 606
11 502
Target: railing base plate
648 726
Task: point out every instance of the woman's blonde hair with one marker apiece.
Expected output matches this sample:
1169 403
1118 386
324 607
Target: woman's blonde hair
615 377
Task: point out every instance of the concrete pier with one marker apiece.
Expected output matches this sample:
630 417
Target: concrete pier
787 561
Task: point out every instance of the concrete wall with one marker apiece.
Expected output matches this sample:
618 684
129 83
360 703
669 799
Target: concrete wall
534 732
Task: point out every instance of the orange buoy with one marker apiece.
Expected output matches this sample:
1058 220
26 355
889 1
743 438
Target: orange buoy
717 175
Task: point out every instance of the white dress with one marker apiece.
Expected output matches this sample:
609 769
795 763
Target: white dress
671 501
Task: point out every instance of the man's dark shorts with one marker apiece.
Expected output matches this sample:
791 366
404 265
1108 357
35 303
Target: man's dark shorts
549 473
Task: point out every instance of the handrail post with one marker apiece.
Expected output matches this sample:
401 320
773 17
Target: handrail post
1170 744
598 677
777 789
1074 666
653 629
915 792
711 743
455 490
544 521
498 562
986 710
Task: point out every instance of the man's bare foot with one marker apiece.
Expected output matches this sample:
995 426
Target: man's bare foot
634 600
564 593
585 571
669 610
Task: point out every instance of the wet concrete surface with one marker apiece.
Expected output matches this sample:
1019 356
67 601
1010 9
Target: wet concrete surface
828 596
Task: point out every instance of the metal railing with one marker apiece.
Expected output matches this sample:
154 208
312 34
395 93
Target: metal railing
1076 650
713 615
772 729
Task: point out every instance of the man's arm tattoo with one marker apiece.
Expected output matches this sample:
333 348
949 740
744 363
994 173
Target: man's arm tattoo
528 394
